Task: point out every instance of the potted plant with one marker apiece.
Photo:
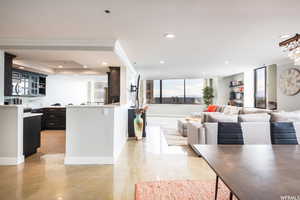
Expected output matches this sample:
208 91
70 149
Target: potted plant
208 95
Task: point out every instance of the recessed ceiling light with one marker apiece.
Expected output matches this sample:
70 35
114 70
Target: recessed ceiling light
60 66
226 62
107 11
21 67
84 66
104 63
169 35
285 36
162 62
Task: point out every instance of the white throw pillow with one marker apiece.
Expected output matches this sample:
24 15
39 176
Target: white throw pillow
259 117
231 110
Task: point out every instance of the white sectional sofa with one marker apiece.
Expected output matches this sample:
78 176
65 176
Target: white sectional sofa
253 133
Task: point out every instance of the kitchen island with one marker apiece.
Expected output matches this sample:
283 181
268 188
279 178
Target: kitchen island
95 134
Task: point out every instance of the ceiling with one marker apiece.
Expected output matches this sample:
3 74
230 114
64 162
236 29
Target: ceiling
208 33
67 59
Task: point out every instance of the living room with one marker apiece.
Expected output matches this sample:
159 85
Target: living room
206 105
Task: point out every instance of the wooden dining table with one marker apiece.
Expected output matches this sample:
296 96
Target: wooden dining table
256 172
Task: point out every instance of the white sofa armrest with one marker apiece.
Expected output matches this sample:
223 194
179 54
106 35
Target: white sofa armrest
195 133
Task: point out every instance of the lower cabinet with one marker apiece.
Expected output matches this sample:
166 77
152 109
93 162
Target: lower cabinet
54 118
31 135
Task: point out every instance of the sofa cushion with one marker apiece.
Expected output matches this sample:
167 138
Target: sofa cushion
231 110
285 116
283 133
260 117
230 133
254 110
220 117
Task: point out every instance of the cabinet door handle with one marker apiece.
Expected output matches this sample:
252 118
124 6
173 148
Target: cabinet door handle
51 123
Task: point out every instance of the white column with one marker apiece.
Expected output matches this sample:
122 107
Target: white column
249 88
1 77
11 135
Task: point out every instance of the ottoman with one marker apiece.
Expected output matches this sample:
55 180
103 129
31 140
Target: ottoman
182 127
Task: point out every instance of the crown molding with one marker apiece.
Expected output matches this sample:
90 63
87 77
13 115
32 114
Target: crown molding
42 44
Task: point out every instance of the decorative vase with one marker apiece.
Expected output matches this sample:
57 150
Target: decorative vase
138 126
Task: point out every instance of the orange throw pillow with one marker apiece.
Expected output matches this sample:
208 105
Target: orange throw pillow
212 108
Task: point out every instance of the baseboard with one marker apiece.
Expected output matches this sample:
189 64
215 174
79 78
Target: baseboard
89 160
11 160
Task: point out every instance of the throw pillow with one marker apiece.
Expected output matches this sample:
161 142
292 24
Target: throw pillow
231 110
212 108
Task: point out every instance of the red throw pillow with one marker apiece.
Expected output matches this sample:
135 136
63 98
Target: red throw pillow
212 108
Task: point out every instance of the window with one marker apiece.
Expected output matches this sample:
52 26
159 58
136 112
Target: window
193 90
175 91
260 88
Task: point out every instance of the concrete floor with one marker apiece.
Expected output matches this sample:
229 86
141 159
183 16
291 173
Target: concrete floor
44 176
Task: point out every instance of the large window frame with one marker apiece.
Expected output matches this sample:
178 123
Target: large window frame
184 93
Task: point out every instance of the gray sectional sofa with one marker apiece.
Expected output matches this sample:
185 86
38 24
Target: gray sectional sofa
255 124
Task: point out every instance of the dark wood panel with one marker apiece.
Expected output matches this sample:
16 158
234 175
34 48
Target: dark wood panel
255 172
113 84
31 135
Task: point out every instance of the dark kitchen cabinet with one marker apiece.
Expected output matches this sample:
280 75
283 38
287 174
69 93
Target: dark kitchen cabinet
25 83
54 118
8 63
114 77
31 135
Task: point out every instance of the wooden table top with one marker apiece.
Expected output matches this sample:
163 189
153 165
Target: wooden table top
256 172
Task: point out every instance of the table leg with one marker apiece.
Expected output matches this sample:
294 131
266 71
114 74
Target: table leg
216 187
230 196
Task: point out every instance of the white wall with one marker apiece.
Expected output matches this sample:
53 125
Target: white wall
287 103
1 77
249 88
222 88
173 110
65 89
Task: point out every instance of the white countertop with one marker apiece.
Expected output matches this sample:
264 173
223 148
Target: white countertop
31 114
94 106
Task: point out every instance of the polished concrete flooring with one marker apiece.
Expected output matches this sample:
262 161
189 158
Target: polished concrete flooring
44 176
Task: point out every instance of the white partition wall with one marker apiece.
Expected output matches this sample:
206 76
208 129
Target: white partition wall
95 134
1 77
11 135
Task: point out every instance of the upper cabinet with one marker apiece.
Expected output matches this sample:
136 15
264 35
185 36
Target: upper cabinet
29 84
8 63
22 83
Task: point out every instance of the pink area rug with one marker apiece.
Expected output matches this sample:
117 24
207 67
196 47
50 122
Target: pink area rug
180 190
